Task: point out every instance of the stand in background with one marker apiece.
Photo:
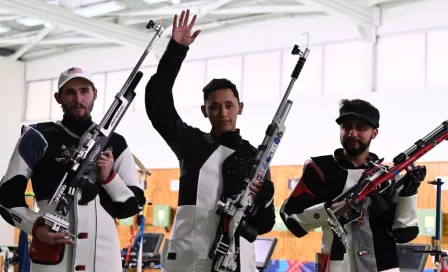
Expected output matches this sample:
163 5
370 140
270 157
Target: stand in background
133 253
440 257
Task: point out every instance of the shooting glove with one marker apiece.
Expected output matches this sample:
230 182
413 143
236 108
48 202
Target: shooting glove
412 180
265 194
43 253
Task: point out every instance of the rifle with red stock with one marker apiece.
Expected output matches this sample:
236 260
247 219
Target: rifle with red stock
378 178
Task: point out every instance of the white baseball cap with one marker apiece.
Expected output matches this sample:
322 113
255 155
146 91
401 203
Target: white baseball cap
74 72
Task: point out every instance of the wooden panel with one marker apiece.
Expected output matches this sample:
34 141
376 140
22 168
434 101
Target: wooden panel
288 247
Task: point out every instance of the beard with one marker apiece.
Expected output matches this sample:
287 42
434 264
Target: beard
69 111
355 151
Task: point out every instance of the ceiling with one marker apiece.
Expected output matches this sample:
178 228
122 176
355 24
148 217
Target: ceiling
31 29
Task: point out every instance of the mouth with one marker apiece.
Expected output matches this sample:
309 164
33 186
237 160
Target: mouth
353 142
78 109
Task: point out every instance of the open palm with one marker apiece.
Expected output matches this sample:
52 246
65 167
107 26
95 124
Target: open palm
182 31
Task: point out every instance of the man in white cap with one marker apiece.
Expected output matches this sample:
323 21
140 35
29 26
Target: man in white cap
95 246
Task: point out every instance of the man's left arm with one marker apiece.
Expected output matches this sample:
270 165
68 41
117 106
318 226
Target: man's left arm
264 218
405 226
123 186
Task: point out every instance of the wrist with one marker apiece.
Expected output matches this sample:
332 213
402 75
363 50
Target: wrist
109 178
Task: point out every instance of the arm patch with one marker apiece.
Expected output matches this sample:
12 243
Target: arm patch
32 148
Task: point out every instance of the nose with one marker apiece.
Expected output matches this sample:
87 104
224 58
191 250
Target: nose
353 132
78 97
224 112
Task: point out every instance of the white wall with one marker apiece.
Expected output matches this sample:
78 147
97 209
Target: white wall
407 81
11 109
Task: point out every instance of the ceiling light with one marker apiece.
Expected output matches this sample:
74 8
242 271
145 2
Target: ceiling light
4 29
175 2
100 9
30 21
154 1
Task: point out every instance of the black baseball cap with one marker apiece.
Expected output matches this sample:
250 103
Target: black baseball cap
361 109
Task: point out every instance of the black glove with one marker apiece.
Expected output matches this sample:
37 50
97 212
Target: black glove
412 180
265 194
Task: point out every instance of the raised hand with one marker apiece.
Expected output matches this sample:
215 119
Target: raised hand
182 31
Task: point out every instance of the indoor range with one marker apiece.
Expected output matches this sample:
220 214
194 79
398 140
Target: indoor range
223 136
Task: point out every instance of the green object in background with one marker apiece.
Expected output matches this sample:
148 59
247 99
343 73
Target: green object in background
162 216
127 221
279 224
427 222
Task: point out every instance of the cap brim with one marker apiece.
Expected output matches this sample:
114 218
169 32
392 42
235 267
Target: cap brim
354 114
70 78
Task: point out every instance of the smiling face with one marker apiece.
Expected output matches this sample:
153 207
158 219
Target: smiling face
356 135
77 98
222 109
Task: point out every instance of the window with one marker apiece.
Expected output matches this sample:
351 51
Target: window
99 80
139 100
309 82
187 89
437 58
56 109
38 100
229 67
346 67
261 76
401 62
114 82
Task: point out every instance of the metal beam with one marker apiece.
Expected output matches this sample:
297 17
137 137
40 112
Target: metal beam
63 18
203 10
347 9
297 9
53 41
227 24
35 40
371 3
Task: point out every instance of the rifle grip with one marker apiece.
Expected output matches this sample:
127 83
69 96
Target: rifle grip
248 232
378 204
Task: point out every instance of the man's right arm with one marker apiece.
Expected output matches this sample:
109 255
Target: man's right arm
305 209
27 153
160 103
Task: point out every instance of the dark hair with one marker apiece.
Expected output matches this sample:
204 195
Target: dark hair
360 108
217 84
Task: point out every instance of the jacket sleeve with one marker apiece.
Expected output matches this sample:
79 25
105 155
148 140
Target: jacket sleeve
264 218
123 186
405 223
305 209
159 101
29 149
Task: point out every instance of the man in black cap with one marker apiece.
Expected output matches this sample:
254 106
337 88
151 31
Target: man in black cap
373 237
